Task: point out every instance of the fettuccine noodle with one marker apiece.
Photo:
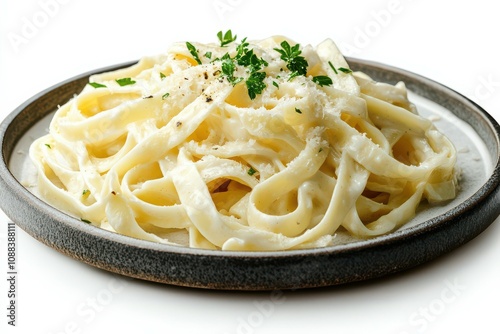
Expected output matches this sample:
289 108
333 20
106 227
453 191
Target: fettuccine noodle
175 149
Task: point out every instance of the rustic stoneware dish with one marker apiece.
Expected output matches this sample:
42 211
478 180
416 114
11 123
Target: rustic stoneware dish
433 232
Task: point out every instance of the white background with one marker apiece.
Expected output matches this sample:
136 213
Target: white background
455 43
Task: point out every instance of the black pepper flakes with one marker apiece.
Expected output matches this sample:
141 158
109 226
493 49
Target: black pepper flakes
209 99
178 123
205 74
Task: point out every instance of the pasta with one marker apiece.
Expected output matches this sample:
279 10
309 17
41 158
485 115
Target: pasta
260 145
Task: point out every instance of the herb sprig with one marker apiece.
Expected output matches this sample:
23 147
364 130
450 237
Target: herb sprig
194 52
296 63
255 84
226 38
248 59
228 68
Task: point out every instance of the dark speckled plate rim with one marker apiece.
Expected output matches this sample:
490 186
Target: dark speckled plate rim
366 259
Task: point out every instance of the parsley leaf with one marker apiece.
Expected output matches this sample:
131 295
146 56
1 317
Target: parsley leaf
299 65
295 62
228 67
246 58
86 221
345 70
125 81
322 80
96 85
251 171
162 76
164 96
242 48
226 38
250 60
193 52
255 84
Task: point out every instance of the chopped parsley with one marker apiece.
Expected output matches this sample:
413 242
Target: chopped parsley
125 81
298 111
246 58
85 192
228 67
251 171
48 145
333 67
193 52
341 69
322 80
242 48
226 38
231 67
86 221
345 70
296 63
97 85
255 84
162 76
164 96
251 61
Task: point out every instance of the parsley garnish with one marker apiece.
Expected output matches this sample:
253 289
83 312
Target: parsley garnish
322 80
275 84
48 145
228 67
125 81
251 171
162 76
164 96
298 111
226 38
332 67
242 48
193 52
345 70
255 84
341 69
96 85
86 221
208 55
85 192
250 60
295 62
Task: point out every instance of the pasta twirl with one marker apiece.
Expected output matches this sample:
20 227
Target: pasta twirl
260 145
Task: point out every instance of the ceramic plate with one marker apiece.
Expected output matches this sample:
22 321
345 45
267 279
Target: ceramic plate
433 232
